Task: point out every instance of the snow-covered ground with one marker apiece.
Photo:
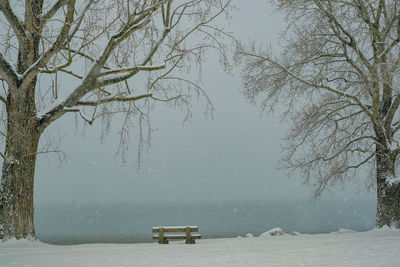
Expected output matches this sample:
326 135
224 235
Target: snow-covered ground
343 248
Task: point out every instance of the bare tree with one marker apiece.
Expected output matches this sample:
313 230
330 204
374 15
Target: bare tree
94 58
338 76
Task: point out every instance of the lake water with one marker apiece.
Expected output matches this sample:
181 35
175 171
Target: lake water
132 222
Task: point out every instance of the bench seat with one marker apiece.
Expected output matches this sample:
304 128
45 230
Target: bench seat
195 236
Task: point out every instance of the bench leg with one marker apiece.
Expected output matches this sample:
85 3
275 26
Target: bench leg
161 238
188 237
190 241
163 241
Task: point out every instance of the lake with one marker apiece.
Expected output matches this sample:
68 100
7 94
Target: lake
132 222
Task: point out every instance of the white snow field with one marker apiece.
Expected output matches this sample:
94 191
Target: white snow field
343 248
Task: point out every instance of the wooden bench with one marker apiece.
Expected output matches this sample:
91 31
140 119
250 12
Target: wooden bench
163 237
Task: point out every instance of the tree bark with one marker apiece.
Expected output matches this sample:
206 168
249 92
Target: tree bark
17 183
388 192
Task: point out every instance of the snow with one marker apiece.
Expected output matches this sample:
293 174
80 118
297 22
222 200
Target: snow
40 114
173 227
118 71
373 248
273 232
249 235
31 67
344 231
393 180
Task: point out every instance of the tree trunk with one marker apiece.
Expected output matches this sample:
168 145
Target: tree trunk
23 134
388 192
16 199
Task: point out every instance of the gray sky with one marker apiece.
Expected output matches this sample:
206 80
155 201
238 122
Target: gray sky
231 157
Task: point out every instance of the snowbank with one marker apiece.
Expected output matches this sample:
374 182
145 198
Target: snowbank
374 248
273 232
344 231
249 235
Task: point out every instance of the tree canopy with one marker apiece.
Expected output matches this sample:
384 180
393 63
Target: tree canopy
338 77
94 58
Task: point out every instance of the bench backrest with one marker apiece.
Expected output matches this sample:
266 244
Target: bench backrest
175 229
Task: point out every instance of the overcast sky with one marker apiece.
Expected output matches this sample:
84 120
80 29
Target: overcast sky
231 157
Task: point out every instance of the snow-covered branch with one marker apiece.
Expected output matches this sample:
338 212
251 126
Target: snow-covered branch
113 99
133 69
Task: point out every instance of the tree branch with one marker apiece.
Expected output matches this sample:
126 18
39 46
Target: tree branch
33 70
16 25
54 9
7 72
113 99
313 85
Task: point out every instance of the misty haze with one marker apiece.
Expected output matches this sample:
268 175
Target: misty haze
165 134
